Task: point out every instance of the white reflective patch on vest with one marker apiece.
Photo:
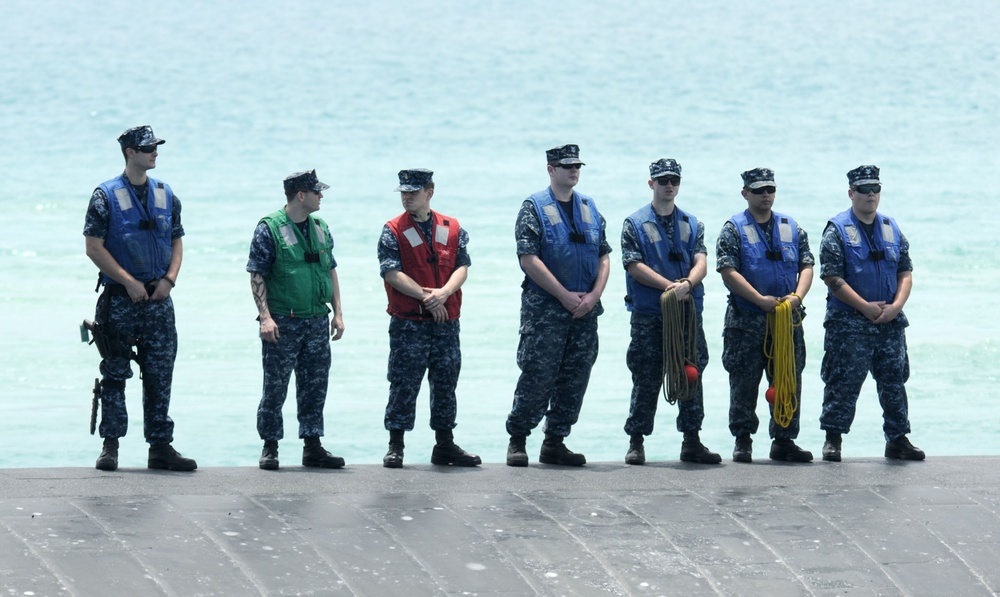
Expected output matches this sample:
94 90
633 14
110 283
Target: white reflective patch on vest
441 235
685 231
160 197
751 232
413 236
585 214
320 236
887 234
853 236
124 199
288 234
785 232
552 213
652 231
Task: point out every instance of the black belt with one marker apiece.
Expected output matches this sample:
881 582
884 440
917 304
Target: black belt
119 290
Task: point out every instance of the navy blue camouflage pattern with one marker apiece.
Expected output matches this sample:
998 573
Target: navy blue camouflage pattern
758 177
555 354
854 346
566 154
304 181
139 136
863 175
97 219
664 167
151 325
645 361
744 346
415 348
303 347
414 180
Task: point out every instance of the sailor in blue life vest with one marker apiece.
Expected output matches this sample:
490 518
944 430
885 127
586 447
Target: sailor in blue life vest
764 258
865 263
563 250
663 248
293 278
133 235
423 261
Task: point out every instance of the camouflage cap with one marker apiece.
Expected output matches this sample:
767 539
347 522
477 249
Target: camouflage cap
863 175
414 180
567 154
139 136
304 181
757 178
664 167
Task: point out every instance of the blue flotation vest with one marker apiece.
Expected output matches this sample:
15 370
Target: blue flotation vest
139 230
570 252
870 270
772 270
672 260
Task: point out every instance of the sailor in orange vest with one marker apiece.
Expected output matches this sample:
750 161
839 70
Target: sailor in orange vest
424 262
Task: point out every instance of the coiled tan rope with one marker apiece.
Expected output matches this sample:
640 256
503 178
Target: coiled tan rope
781 362
678 355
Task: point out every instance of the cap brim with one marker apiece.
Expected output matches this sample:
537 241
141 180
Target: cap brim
761 183
662 174
570 162
858 183
320 186
407 188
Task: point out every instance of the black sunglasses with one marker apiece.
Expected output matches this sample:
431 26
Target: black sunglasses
762 190
570 166
146 148
665 180
869 188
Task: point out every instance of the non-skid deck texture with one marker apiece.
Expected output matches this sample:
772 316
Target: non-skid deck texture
861 527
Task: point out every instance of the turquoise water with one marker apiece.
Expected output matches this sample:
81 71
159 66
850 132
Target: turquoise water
246 92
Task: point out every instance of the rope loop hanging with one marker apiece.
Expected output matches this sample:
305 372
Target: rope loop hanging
779 348
680 375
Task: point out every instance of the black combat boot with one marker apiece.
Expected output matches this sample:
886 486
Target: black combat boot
902 449
446 452
315 456
108 460
743 452
517 454
394 457
692 450
784 449
554 451
831 447
636 453
269 456
164 456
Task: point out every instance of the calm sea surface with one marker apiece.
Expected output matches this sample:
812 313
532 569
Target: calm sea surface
247 92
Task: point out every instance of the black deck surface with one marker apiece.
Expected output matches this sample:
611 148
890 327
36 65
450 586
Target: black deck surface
861 527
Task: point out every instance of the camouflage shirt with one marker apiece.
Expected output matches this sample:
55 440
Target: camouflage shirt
263 251
97 221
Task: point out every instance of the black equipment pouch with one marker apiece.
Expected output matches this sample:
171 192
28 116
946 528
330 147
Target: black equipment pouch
93 406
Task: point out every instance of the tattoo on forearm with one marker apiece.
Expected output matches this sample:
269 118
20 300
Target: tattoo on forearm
259 288
835 284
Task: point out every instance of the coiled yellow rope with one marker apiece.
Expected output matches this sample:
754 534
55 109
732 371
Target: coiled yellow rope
677 317
781 362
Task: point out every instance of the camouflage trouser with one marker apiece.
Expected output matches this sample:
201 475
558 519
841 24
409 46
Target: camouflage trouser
849 357
645 361
743 357
555 354
303 346
151 324
416 347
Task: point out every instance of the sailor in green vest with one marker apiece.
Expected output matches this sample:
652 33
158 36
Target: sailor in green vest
293 276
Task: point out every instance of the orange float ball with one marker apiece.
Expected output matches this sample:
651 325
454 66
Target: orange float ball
692 373
769 395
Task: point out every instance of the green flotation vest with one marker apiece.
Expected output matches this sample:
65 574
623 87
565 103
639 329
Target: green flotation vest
299 284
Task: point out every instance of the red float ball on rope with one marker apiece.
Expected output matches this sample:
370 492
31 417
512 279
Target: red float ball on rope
769 395
692 373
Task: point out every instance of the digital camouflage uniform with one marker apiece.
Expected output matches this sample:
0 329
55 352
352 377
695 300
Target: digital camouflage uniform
854 346
744 346
419 347
151 325
645 351
555 352
303 346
